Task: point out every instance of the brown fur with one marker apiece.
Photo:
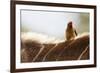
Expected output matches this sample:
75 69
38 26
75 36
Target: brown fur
67 50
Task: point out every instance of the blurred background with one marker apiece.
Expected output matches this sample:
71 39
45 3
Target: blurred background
53 23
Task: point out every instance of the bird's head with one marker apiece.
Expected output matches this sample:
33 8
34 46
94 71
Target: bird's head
70 24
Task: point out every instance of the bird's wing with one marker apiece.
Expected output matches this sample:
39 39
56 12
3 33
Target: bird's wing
75 32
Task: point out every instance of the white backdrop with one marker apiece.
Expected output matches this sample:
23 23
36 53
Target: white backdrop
5 36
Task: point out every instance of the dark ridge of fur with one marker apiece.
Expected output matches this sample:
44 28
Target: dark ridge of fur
85 55
52 55
46 49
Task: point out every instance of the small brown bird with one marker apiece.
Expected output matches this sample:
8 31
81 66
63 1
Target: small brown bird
70 32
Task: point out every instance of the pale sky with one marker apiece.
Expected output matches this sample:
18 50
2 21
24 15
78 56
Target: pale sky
48 22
